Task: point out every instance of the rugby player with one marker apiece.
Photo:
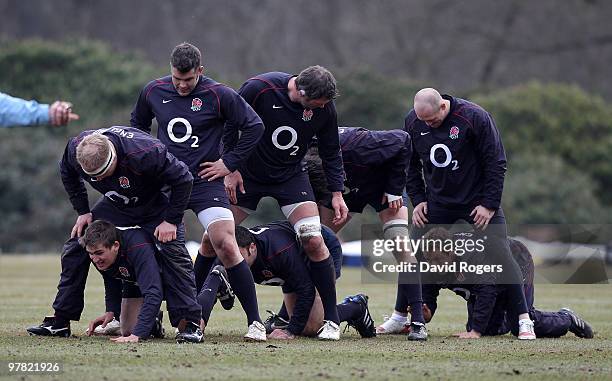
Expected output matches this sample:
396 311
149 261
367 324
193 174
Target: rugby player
277 259
293 109
490 310
130 256
457 172
192 111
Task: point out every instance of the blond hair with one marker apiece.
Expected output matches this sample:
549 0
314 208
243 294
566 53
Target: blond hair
94 153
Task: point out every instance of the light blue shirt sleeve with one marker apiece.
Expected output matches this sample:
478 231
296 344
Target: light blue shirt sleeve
19 112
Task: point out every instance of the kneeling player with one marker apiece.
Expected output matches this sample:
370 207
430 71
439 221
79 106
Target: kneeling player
277 259
490 311
130 257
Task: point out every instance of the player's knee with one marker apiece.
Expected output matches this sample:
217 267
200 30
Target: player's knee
225 246
308 227
395 229
206 247
309 232
312 244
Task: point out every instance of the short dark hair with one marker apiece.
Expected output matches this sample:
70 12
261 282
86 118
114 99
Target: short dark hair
317 82
243 236
185 57
100 232
316 174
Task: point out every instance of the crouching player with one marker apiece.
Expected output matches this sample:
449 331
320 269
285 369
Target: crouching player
490 311
276 258
375 165
130 257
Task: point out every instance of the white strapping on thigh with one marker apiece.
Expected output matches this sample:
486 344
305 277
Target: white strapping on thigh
288 209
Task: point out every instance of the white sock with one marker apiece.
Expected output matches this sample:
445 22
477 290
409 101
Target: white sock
399 318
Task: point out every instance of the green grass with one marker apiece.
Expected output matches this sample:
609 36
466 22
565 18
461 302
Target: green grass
27 287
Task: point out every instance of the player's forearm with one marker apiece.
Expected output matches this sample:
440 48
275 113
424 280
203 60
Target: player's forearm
334 177
149 281
73 183
494 186
244 147
148 312
139 123
416 191
112 294
397 178
331 158
483 308
77 193
415 185
142 116
491 151
301 311
179 198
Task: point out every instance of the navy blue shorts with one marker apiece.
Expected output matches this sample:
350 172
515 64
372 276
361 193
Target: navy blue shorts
356 200
296 189
205 194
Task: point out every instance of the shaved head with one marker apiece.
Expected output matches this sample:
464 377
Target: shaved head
427 101
430 107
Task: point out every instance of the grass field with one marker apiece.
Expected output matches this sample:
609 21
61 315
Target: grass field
27 287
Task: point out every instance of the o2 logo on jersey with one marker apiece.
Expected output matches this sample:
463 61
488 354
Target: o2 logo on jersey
119 198
454 132
188 132
447 154
292 141
196 104
307 115
124 182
